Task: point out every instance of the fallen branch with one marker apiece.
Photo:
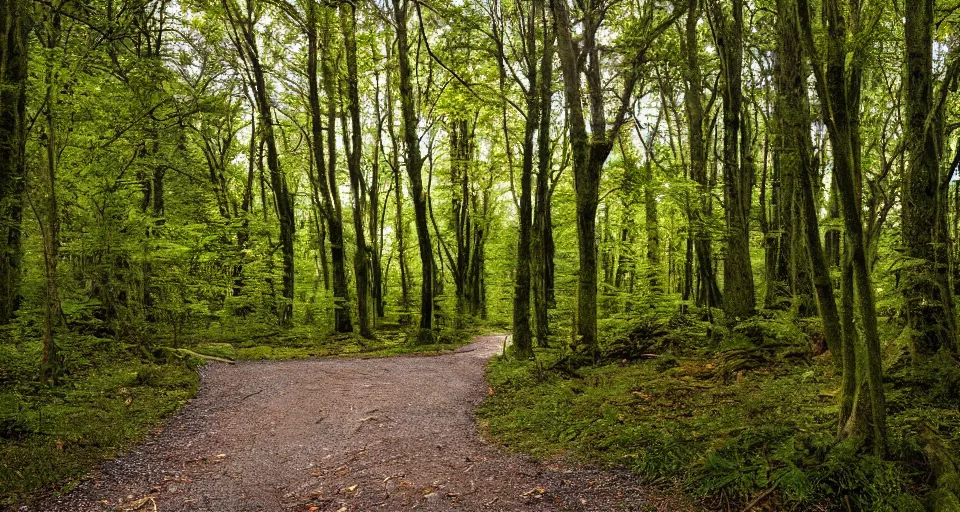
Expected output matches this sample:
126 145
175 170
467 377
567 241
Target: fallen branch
191 353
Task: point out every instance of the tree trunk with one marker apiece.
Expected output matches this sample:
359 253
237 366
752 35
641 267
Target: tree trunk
652 223
832 89
590 151
738 290
15 28
522 334
400 227
693 101
793 112
414 167
353 145
330 197
249 52
50 364
928 301
376 227
461 151
542 237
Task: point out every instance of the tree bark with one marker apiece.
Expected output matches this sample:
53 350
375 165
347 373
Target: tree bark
699 208
738 289
246 44
414 168
542 236
522 333
831 83
15 28
50 364
329 196
793 113
928 300
353 144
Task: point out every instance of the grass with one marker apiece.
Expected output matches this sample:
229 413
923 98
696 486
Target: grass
303 343
726 439
114 394
52 436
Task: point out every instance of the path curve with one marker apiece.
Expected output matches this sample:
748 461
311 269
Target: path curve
342 435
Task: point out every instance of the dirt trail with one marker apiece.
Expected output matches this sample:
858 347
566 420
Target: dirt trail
344 435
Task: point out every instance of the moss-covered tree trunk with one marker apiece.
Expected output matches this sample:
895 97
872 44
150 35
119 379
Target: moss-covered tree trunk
542 243
793 113
738 289
522 332
832 84
708 292
928 301
14 27
329 200
399 225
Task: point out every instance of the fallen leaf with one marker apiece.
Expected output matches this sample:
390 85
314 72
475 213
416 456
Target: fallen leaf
535 492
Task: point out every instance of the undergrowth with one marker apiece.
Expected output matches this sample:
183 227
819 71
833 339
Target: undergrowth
741 417
110 396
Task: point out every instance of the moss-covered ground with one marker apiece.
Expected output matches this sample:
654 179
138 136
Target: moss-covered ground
761 433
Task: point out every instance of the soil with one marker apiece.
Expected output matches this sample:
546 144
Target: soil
343 435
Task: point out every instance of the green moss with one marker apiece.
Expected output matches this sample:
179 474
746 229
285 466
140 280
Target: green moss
223 350
772 428
49 438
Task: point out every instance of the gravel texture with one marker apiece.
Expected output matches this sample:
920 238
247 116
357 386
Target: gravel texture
341 435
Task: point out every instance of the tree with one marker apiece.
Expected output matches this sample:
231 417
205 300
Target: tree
929 307
14 57
414 163
591 149
832 88
738 292
700 210
543 247
353 145
243 35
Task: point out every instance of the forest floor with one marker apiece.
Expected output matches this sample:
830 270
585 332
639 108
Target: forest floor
337 434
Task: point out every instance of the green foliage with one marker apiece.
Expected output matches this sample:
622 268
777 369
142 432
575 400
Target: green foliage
110 397
768 428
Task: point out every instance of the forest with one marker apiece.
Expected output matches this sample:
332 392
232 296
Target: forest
722 234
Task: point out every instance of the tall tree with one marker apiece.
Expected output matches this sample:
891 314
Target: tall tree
242 24
832 84
522 332
699 208
929 307
591 148
326 179
542 237
738 290
353 144
14 56
50 32
414 163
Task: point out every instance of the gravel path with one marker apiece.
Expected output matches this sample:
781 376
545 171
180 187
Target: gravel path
344 435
